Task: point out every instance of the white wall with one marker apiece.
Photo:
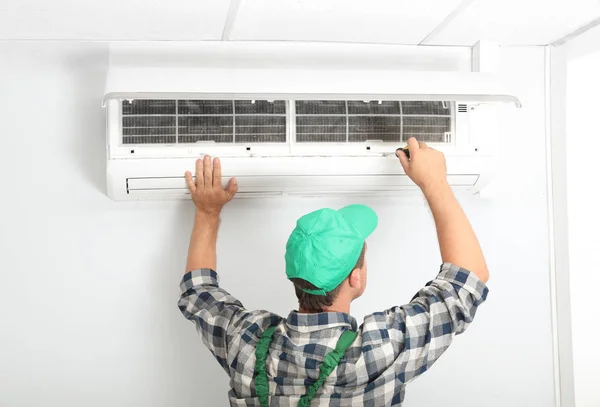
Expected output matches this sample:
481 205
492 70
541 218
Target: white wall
583 145
88 287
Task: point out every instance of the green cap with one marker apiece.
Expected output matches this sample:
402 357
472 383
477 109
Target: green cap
326 244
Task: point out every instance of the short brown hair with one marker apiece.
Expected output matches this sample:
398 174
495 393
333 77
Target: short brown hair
316 303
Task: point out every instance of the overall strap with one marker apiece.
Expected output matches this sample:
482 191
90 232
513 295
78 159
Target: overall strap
328 366
262 382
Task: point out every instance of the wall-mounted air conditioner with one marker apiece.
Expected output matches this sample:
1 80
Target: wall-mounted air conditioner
289 131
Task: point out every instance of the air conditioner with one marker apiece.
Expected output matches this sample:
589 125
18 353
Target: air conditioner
287 131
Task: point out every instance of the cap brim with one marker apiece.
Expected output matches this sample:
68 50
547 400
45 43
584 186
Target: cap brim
362 217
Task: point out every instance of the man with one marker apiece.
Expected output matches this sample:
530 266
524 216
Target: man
318 354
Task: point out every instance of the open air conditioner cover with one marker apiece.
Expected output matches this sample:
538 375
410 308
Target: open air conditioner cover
149 75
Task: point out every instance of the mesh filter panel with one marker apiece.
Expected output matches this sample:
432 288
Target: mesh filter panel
359 121
191 121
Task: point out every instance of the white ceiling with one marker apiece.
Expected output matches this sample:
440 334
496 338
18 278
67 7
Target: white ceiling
378 21
432 22
517 22
113 19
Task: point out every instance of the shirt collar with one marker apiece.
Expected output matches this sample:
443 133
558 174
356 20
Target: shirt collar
322 320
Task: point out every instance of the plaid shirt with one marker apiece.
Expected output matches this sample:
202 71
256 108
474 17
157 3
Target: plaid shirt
393 346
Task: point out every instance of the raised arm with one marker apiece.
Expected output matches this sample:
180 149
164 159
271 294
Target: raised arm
457 240
423 329
209 197
217 314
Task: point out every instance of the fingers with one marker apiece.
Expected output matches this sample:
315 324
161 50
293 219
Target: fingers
232 188
208 174
190 182
207 191
423 145
199 173
403 160
413 146
217 173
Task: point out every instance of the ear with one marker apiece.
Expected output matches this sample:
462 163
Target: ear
355 279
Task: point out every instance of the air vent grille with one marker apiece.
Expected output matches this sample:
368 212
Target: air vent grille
462 108
147 121
192 121
359 121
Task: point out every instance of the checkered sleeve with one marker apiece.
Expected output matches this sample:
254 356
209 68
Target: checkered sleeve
219 316
423 329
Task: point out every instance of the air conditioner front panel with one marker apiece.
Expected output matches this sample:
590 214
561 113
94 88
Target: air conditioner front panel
259 177
286 166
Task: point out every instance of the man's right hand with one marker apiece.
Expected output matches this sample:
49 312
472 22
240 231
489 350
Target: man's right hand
426 167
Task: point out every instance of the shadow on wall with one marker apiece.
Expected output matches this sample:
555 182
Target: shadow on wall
88 70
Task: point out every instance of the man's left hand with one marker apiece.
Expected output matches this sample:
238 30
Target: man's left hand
207 191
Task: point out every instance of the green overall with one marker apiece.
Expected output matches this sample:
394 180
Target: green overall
329 364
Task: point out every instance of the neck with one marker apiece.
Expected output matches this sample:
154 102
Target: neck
335 307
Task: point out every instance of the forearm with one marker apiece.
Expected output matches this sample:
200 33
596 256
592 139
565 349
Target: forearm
202 252
457 240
